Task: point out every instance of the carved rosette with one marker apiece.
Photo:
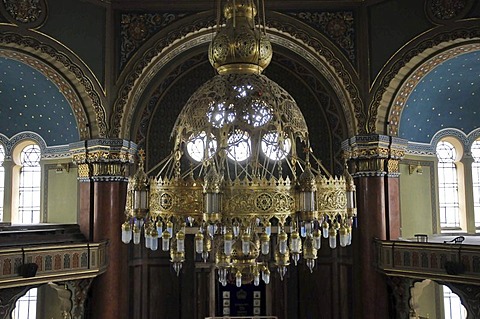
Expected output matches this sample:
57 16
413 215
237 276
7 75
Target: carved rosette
375 155
443 12
24 13
338 26
137 28
103 160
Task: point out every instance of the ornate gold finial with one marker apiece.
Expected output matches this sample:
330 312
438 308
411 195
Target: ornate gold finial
240 47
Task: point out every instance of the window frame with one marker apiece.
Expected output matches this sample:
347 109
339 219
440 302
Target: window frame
460 185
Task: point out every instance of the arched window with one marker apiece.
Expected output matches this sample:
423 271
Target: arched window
448 185
452 305
26 306
475 150
29 185
2 180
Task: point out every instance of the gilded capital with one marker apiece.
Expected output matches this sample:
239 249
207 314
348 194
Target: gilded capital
103 159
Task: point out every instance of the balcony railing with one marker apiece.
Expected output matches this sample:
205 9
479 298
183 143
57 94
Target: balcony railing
426 260
32 265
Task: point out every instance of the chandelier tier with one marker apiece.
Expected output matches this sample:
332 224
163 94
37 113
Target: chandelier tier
241 162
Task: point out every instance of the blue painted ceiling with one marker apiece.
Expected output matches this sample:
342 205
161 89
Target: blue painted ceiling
29 101
447 97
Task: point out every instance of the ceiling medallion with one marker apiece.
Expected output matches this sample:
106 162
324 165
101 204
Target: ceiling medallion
241 176
29 13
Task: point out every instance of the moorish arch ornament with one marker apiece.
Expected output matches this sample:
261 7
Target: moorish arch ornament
318 51
87 97
24 13
388 83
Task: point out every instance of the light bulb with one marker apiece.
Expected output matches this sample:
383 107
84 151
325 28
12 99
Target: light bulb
256 280
227 243
245 243
266 276
236 229
308 228
317 239
148 242
282 243
332 239
268 228
238 279
303 231
170 228
126 232
166 240
294 242
180 241
136 235
325 229
154 240
265 243
199 243
159 227
343 236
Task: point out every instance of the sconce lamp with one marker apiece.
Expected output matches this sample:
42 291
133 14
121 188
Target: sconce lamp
415 169
62 167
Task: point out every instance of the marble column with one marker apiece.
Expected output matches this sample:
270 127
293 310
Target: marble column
102 166
374 159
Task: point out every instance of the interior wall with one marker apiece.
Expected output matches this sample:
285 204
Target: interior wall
417 191
62 195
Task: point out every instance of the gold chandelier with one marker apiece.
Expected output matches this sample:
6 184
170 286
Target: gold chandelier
242 176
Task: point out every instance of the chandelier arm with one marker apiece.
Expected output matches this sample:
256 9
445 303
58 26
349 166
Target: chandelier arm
319 163
192 169
291 167
164 162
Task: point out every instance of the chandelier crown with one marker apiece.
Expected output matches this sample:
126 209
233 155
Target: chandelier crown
240 47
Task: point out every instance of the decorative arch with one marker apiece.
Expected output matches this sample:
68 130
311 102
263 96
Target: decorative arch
65 69
175 41
11 143
405 69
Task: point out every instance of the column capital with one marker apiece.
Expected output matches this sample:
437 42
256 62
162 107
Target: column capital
375 154
103 160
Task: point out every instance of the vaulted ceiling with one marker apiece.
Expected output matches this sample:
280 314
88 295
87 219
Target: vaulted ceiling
29 101
447 97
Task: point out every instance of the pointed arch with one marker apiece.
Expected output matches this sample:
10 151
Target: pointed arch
175 41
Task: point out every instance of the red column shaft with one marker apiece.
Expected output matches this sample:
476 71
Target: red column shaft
109 290
371 296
